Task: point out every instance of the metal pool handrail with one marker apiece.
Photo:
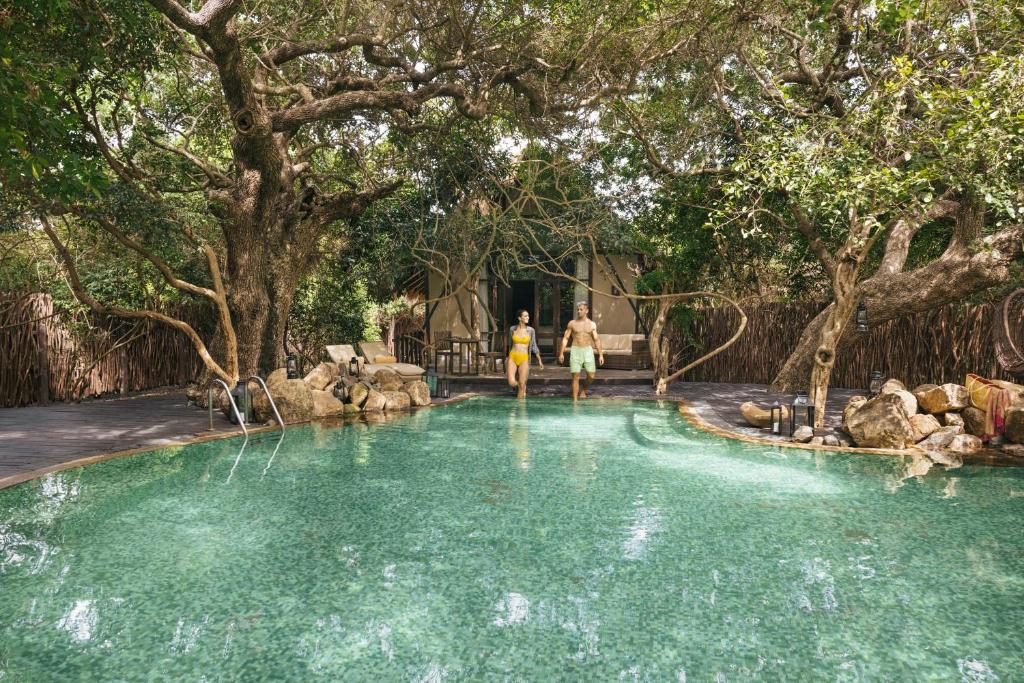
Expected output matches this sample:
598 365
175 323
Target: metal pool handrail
231 399
269 398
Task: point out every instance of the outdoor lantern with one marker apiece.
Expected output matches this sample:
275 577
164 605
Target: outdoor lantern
776 418
862 317
432 381
293 366
875 385
340 390
443 390
240 395
353 366
801 403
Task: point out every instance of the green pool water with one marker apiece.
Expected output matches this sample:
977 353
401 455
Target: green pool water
500 540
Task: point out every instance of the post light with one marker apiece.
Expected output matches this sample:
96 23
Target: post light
353 366
862 317
875 385
293 366
801 403
432 381
240 395
776 418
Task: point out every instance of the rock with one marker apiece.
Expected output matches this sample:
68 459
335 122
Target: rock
844 442
831 440
892 386
375 402
760 417
882 422
322 376
350 409
852 406
385 376
276 377
964 443
944 399
817 441
419 393
293 397
953 419
923 389
396 400
1013 429
909 402
357 394
803 434
974 421
326 405
940 438
195 395
1015 449
924 426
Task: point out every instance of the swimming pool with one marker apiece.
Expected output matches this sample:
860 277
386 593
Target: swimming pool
496 539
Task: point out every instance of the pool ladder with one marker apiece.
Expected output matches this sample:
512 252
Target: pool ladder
234 406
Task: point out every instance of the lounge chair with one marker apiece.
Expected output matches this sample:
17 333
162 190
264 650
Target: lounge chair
342 354
377 358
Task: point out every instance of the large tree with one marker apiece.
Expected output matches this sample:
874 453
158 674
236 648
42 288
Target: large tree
257 129
860 131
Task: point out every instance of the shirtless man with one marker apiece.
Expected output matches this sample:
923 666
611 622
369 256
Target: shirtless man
583 331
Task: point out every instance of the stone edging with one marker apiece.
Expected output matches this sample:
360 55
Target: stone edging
690 414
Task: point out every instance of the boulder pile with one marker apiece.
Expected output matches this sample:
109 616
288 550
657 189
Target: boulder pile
326 392
937 419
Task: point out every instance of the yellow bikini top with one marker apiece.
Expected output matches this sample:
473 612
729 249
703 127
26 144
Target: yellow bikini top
521 340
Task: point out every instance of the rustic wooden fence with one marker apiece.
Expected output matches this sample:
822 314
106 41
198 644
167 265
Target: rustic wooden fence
942 345
45 355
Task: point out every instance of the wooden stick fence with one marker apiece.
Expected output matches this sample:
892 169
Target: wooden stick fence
939 346
46 356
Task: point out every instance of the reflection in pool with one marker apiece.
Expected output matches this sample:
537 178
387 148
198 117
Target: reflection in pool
501 540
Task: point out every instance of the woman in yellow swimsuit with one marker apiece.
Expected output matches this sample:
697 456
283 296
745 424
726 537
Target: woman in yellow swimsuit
522 343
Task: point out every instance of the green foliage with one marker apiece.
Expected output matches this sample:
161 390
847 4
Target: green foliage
332 306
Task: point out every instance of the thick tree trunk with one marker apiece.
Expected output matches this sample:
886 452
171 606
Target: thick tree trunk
659 345
836 319
955 276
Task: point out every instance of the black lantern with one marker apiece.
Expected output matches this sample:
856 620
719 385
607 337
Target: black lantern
862 317
292 365
432 381
875 385
353 366
443 390
240 395
801 403
776 418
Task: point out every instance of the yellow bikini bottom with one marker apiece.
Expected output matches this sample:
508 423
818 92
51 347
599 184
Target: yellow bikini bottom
518 357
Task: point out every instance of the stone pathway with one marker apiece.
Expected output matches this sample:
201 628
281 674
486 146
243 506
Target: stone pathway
41 438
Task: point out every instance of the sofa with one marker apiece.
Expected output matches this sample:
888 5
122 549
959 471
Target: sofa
625 351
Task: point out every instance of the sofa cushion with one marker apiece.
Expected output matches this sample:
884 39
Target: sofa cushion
623 343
